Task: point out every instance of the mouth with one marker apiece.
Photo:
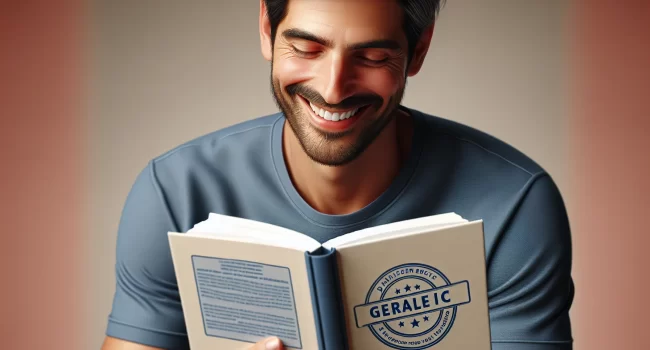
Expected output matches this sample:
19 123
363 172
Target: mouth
333 115
333 120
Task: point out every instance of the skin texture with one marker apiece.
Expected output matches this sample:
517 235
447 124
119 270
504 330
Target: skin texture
341 171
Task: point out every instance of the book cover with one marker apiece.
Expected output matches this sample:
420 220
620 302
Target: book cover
419 284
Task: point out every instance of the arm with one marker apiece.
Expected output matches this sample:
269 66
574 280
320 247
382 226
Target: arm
530 284
146 305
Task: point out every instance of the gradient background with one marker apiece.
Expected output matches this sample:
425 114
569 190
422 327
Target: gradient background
90 91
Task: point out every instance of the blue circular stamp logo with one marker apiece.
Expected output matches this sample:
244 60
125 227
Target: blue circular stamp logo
412 306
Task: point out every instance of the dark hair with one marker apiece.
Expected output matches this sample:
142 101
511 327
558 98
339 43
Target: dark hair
418 15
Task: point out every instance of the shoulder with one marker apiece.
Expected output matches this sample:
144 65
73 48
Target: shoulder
505 178
241 137
216 171
479 143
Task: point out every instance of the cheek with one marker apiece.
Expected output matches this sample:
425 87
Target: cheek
383 82
291 70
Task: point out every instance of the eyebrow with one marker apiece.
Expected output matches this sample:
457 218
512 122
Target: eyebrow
295 33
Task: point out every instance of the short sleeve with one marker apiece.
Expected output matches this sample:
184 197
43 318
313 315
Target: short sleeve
146 305
530 285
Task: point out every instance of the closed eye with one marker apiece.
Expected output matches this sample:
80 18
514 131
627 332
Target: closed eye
303 53
374 60
374 56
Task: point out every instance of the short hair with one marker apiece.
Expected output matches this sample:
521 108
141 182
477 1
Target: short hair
418 15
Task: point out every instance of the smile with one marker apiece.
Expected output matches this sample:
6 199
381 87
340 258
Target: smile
331 115
333 120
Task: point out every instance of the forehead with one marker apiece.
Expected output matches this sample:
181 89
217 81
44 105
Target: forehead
347 20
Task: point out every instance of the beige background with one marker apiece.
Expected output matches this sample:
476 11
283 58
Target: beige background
164 72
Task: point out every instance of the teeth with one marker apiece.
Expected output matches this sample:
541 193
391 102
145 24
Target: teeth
327 115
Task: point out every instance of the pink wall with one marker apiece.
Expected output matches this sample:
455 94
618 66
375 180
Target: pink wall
611 173
41 174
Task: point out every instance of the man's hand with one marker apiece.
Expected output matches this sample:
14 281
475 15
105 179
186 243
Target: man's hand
271 343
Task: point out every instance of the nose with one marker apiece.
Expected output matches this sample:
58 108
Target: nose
339 80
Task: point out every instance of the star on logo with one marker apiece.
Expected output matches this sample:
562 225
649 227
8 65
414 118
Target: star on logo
397 291
426 318
415 323
417 287
407 288
401 324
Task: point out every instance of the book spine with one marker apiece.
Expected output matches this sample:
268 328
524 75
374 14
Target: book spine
327 301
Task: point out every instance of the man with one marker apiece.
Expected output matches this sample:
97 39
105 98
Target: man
344 154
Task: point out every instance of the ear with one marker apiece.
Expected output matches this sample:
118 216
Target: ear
420 52
265 32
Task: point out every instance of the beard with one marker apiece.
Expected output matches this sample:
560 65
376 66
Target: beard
332 148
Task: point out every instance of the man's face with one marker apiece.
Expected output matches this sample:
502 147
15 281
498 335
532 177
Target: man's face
338 74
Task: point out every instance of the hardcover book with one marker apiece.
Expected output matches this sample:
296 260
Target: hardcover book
414 284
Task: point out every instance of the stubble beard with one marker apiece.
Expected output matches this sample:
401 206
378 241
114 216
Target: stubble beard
330 149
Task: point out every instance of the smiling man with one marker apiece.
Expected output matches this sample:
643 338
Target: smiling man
344 154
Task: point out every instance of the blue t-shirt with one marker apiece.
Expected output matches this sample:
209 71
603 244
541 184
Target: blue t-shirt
240 171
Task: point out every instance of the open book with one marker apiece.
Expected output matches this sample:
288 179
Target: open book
414 284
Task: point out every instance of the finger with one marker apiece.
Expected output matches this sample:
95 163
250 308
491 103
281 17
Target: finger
272 343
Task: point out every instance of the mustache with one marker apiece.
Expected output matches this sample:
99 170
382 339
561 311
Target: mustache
351 102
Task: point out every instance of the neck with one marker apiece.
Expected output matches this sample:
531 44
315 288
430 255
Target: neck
348 188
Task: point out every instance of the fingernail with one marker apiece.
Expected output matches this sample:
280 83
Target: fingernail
273 344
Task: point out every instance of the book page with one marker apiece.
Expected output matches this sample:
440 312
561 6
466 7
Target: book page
244 230
395 229
235 293
417 291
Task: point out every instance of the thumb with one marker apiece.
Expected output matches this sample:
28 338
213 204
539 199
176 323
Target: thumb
271 343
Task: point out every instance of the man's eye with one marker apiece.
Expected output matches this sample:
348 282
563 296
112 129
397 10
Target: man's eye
303 53
375 59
